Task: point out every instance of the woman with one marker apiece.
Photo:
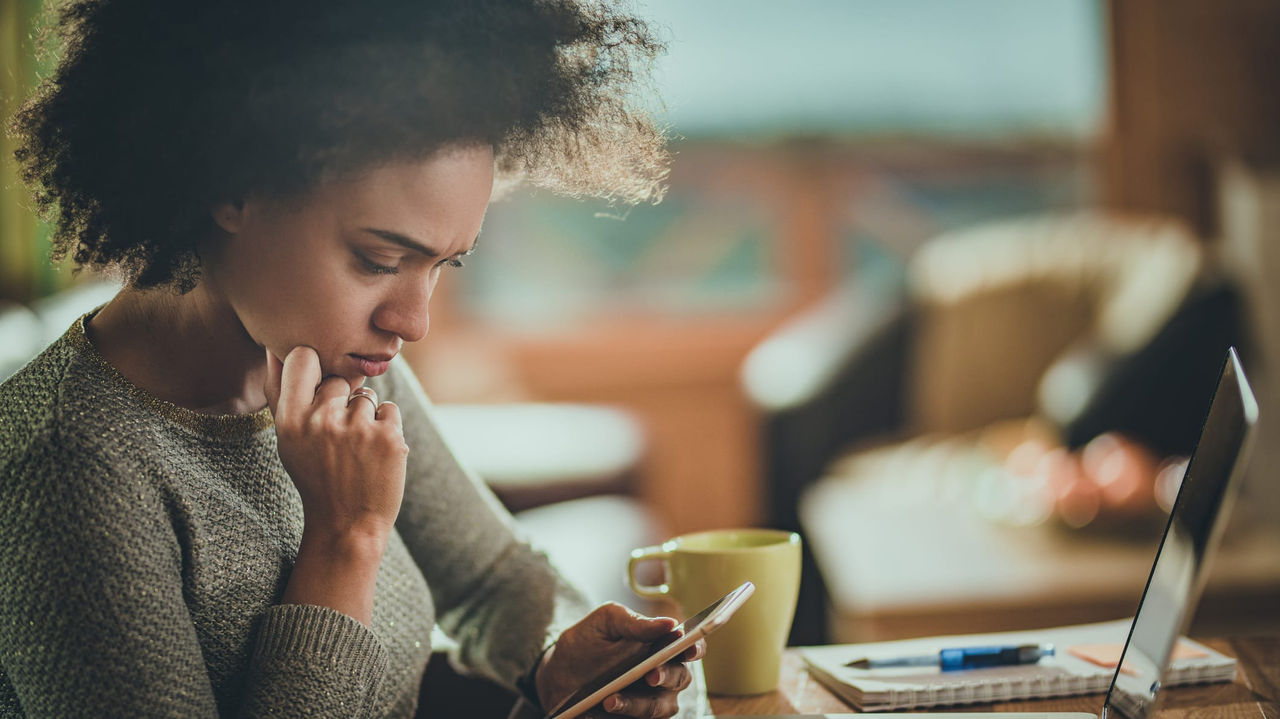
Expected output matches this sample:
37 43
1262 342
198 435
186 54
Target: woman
223 491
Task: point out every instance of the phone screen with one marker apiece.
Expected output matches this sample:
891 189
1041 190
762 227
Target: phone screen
631 659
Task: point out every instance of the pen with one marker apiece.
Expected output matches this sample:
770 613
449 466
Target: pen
964 658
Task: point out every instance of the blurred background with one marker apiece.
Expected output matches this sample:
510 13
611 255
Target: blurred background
942 285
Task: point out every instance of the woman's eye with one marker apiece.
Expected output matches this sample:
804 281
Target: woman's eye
376 268
454 262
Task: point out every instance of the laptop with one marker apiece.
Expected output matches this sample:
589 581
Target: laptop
1177 577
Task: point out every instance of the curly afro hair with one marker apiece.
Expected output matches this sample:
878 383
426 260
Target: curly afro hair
160 108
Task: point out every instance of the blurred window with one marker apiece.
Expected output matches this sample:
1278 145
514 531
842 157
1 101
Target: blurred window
546 262
950 67
890 120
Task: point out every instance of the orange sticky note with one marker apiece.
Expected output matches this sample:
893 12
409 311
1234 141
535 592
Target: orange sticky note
1108 655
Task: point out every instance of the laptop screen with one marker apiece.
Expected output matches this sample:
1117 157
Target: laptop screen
1199 514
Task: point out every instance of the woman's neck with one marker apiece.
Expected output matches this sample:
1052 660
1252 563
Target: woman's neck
190 349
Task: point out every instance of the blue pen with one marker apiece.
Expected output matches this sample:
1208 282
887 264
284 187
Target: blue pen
964 658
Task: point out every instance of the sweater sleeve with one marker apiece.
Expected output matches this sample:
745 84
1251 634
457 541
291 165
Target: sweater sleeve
93 620
499 598
315 662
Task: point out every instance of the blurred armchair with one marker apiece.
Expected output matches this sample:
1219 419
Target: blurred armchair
1091 322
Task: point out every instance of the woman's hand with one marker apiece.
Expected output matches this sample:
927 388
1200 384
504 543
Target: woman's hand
597 641
347 460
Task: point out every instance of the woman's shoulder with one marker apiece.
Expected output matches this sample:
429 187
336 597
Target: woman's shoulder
53 411
64 460
31 399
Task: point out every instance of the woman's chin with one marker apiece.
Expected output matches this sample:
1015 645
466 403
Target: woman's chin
356 381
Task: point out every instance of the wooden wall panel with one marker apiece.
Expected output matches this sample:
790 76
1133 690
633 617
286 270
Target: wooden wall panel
1191 80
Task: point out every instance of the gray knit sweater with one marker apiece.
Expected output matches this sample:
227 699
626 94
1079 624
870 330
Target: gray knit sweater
144 549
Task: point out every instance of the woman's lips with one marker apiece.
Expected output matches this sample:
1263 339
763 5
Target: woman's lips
372 366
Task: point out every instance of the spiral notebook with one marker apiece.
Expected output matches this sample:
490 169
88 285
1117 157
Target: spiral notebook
1083 663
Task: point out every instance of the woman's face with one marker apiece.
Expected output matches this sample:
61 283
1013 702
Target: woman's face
349 269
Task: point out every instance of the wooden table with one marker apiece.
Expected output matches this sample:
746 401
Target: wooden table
1255 694
988 576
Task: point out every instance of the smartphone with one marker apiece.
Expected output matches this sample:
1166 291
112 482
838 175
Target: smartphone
632 667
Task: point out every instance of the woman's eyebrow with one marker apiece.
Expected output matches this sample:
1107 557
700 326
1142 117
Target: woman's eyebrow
410 243
402 240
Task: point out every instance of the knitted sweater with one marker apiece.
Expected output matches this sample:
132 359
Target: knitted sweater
144 549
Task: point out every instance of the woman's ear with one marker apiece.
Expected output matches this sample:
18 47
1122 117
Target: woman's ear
229 216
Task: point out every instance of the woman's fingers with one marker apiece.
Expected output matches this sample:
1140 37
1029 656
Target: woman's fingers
390 412
362 404
618 622
673 676
332 390
695 652
298 381
272 385
643 703
346 463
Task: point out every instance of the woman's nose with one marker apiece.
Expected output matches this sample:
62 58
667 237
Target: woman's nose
405 315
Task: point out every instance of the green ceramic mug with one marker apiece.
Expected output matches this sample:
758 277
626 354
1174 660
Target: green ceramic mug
745 655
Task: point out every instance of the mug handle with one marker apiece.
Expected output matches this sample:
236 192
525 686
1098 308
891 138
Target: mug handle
658 591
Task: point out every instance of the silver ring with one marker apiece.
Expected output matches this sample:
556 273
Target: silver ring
366 393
